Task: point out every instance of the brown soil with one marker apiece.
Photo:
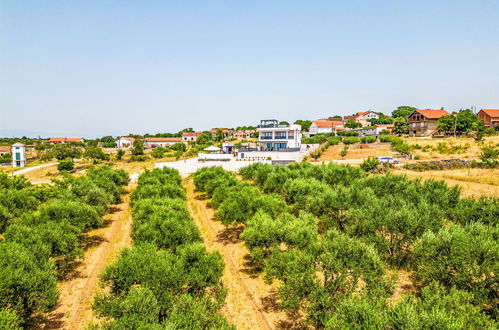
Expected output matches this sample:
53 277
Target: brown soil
76 293
403 286
250 302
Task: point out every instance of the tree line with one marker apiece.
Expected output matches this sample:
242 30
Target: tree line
329 234
42 230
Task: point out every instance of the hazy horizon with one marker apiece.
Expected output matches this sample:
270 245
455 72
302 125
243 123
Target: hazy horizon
91 68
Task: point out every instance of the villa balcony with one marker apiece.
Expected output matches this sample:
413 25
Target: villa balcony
276 138
273 126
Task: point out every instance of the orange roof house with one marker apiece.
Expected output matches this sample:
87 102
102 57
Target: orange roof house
424 122
163 139
490 117
190 136
192 133
152 142
431 114
56 140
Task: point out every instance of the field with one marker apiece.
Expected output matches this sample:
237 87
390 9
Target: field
372 150
474 182
272 247
335 256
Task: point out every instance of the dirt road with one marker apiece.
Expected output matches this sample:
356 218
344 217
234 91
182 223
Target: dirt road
250 303
76 294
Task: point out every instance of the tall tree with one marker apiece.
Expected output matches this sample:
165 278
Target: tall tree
403 111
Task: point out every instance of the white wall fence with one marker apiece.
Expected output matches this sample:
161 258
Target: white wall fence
215 157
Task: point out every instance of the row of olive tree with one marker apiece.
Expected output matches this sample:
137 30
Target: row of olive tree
403 219
352 208
43 229
313 271
166 279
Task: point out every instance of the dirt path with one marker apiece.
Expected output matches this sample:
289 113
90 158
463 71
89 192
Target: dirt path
250 303
76 294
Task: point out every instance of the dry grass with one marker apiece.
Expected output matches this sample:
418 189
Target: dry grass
372 150
474 182
473 152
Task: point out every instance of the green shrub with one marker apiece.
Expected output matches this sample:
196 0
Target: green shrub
158 152
66 165
368 139
369 164
78 214
119 154
27 284
10 320
460 257
351 140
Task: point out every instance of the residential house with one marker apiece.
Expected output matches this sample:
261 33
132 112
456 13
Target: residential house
374 130
361 119
62 140
227 133
275 137
190 136
424 122
324 127
18 155
153 142
244 134
4 150
369 114
125 142
489 116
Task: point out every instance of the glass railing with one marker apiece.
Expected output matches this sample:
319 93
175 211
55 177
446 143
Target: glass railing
272 126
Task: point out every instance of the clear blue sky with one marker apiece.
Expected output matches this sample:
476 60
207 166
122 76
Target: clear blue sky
89 68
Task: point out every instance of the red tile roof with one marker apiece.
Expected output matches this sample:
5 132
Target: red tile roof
491 112
224 130
131 139
192 133
61 139
323 124
164 139
362 113
433 114
4 148
327 123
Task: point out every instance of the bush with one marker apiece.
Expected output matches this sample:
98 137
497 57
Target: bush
348 133
66 165
119 154
27 284
386 138
138 158
79 215
10 320
316 139
369 164
351 140
344 151
461 257
158 152
95 152
368 139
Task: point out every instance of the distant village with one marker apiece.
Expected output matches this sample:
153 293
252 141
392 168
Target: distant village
271 135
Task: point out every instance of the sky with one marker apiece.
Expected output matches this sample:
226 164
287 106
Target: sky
94 68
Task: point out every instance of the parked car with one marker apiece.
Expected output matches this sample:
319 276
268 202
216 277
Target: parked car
387 159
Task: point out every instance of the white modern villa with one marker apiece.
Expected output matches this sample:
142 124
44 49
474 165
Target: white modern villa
275 137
